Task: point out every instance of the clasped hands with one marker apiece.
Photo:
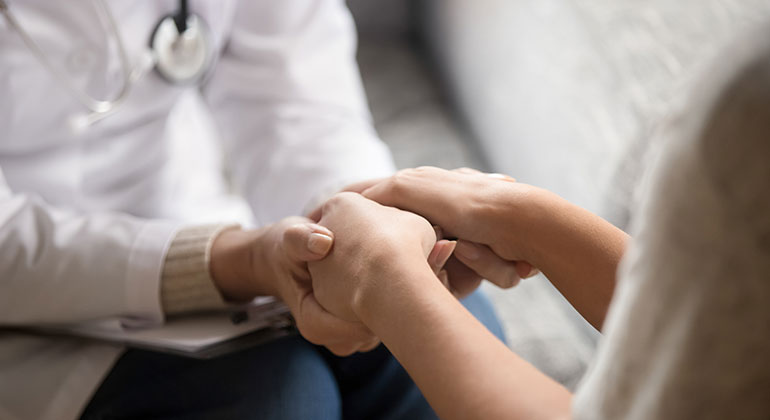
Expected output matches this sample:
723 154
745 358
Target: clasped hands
370 242
378 248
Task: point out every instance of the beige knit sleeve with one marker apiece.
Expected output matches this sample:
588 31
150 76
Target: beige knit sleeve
186 283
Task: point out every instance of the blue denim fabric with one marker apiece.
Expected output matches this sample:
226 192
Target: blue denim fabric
286 379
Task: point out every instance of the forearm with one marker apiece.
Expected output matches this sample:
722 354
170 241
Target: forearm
55 262
461 368
577 250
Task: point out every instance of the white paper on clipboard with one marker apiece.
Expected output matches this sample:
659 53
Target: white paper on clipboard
199 335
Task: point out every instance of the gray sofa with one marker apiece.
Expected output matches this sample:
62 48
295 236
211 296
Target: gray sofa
564 94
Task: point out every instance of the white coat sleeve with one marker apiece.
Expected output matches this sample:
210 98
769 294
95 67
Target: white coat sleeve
288 101
58 267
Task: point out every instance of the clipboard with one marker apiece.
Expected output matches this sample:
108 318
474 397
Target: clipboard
199 336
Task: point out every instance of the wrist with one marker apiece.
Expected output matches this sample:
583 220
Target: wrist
231 265
391 286
541 223
266 261
518 214
498 215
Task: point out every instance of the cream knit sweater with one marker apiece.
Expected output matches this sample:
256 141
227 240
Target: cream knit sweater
186 283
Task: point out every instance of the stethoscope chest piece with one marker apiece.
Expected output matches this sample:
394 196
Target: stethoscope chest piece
182 56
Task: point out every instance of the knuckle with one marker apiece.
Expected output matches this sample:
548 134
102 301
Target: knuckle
329 204
355 333
502 282
349 197
370 343
293 231
341 199
508 276
341 350
361 334
510 283
400 179
367 336
310 334
371 346
422 223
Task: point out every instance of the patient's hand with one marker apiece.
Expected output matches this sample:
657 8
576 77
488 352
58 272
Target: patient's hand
468 205
374 247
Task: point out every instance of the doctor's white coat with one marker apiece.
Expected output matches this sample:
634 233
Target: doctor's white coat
87 214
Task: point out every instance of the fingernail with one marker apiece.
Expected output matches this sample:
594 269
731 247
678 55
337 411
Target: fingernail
445 252
319 243
501 177
532 272
323 230
467 250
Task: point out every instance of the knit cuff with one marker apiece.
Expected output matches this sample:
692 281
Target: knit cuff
186 283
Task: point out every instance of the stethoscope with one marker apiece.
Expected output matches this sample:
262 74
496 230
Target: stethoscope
181 51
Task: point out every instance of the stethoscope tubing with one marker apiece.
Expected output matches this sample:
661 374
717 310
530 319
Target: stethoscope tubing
97 106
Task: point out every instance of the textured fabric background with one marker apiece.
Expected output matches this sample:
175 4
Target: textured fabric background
567 93
564 94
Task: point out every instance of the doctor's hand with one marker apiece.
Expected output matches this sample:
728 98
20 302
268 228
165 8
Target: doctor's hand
376 248
470 206
272 261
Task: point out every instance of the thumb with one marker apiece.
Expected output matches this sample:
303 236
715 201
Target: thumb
440 254
307 241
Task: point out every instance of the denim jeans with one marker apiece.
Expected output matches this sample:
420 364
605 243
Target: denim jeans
285 379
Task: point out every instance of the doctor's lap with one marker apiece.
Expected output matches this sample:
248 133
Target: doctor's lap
286 379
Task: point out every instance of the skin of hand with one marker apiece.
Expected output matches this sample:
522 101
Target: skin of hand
499 223
464 202
272 261
457 276
371 240
377 272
